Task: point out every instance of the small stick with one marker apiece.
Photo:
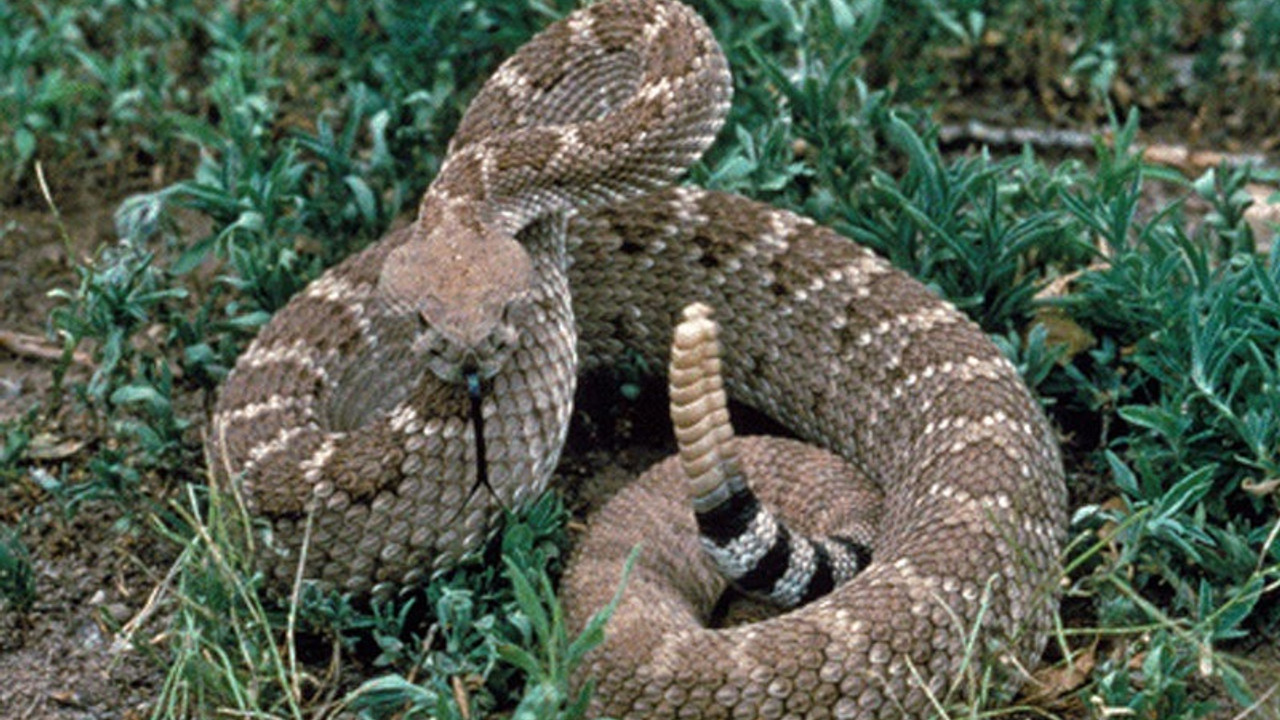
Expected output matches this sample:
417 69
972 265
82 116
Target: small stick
34 346
1180 156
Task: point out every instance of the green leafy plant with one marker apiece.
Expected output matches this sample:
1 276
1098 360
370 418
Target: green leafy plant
1158 687
1184 377
488 624
17 577
17 437
957 226
1259 23
1196 389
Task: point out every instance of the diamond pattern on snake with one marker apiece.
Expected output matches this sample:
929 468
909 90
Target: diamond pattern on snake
374 409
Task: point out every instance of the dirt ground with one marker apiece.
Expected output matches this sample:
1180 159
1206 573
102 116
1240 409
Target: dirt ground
56 661
94 574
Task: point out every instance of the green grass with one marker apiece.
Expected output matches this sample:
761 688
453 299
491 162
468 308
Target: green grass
300 138
496 634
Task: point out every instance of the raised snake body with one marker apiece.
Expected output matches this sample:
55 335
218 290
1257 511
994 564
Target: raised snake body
546 246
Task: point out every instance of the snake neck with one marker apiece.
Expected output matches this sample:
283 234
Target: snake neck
538 381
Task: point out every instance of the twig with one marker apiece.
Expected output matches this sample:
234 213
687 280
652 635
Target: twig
32 707
124 637
978 131
1061 139
1184 157
34 346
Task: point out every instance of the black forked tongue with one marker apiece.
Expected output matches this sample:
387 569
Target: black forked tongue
475 393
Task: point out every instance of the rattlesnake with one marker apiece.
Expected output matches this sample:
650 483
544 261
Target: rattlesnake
350 422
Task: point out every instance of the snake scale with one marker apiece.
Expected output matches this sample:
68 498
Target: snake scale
551 243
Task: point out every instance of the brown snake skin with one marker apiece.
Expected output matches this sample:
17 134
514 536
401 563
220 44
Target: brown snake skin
547 246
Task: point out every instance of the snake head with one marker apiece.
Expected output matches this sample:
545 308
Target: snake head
470 287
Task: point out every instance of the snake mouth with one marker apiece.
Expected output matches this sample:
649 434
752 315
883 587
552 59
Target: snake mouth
453 359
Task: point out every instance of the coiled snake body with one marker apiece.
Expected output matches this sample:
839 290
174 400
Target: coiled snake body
549 244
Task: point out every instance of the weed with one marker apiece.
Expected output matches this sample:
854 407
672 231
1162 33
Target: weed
90 83
960 226
232 649
539 647
1035 357
17 578
225 652
17 437
1184 378
119 295
1259 22
118 300
1196 385
1152 683
804 123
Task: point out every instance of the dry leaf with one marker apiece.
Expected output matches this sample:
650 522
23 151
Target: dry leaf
1260 488
1064 331
1263 216
1051 684
47 446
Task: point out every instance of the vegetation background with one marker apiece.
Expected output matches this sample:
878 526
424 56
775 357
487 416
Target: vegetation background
1094 182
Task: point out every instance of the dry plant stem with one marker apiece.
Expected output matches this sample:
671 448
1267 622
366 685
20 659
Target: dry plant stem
295 599
1180 156
1262 699
36 347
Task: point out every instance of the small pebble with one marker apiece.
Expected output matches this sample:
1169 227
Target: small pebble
118 612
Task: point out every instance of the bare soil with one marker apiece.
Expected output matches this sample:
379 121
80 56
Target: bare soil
92 572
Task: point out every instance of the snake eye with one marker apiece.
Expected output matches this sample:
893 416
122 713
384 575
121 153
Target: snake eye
518 314
428 307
